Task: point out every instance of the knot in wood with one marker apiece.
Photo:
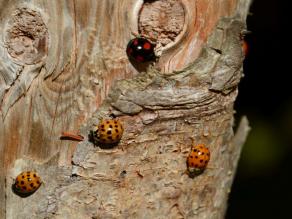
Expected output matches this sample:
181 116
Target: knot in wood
26 36
162 21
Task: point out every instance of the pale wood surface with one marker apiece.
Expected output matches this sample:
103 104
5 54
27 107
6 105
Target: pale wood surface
59 61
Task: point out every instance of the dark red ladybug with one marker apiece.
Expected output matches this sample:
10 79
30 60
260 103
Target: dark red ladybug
140 50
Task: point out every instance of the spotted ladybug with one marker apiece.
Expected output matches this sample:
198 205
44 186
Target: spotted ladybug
108 132
27 182
140 50
198 159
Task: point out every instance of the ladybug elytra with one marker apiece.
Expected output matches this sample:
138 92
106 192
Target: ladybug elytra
27 182
108 132
198 159
140 50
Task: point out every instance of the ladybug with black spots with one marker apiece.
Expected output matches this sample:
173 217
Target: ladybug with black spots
198 159
140 49
108 131
27 183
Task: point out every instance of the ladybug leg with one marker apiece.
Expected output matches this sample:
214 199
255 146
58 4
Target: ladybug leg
92 137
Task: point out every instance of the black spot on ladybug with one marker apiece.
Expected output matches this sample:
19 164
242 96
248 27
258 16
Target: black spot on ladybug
116 126
196 157
201 161
24 187
195 150
109 132
22 177
34 175
107 122
191 157
117 130
140 50
196 166
22 182
118 136
116 122
206 161
102 126
203 153
111 126
31 185
192 164
110 137
38 182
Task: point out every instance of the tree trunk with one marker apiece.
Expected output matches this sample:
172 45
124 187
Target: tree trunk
63 67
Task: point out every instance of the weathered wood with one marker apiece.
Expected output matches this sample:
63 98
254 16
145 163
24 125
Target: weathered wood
63 67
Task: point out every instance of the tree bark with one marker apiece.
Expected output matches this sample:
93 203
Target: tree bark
63 66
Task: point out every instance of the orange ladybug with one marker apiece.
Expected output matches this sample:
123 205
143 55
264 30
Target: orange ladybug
198 159
27 182
245 47
108 132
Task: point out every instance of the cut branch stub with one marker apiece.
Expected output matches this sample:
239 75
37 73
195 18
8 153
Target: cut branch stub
161 21
27 36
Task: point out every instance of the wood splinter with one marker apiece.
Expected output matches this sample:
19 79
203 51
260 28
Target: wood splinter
71 136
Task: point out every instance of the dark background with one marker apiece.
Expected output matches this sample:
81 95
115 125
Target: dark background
262 187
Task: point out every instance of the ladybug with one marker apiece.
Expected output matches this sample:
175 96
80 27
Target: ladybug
108 132
245 47
140 50
27 182
198 159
